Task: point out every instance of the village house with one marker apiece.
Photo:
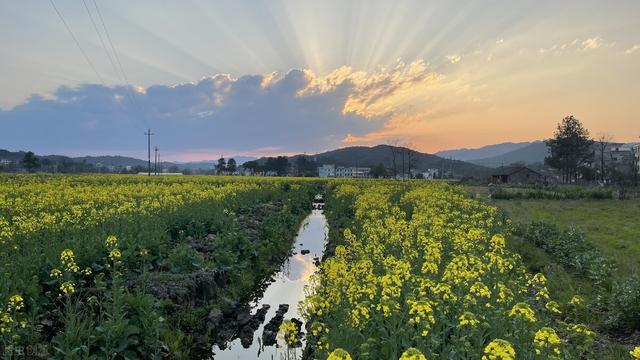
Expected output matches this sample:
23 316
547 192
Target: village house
618 157
516 175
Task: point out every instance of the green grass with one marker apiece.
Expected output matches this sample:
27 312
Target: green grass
611 225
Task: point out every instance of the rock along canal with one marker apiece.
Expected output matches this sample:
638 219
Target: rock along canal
281 297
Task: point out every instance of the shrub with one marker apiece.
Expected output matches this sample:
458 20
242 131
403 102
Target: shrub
571 249
184 259
625 304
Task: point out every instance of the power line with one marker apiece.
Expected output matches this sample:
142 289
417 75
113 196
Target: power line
130 96
113 48
95 27
76 41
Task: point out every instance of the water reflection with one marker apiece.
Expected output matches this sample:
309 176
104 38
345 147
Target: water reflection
287 288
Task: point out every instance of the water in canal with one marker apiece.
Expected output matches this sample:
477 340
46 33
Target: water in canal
287 288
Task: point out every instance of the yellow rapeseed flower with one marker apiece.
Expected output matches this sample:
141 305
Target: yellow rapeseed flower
553 307
467 319
5 322
55 273
582 330
635 353
422 315
288 332
339 354
576 301
115 255
523 311
16 303
112 241
547 341
67 258
413 354
67 288
499 349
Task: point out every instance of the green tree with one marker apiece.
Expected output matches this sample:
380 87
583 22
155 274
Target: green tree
221 166
378 171
253 166
30 161
569 149
232 166
279 165
306 166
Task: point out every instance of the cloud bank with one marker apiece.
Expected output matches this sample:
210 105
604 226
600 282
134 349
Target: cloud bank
295 111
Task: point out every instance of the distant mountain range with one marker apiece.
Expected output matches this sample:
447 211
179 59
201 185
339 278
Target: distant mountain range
529 153
119 161
460 162
487 151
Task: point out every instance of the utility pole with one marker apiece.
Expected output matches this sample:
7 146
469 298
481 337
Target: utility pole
155 164
148 135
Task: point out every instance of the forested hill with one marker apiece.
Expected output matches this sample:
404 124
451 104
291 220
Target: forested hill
384 154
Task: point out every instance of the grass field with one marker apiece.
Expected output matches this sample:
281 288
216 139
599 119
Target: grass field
611 225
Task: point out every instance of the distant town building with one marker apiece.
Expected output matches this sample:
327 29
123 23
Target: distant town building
332 171
516 175
5 162
327 171
430 174
161 173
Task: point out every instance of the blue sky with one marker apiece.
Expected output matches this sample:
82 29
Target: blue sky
264 77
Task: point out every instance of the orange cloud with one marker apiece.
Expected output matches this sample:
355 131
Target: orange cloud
375 94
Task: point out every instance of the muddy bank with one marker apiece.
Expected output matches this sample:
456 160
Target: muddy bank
205 282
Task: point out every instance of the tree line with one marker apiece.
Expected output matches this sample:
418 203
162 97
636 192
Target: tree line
573 153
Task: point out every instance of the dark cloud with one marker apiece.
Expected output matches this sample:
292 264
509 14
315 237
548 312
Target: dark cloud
218 112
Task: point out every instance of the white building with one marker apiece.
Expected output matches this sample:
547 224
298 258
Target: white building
327 171
430 174
332 171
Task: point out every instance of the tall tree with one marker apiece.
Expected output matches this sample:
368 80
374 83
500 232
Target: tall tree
602 144
253 166
221 166
569 148
232 166
281 165
306 166
30 161
378 171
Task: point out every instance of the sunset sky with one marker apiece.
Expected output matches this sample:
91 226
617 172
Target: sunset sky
268 77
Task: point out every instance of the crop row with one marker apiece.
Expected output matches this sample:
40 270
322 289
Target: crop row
129 266
423 271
